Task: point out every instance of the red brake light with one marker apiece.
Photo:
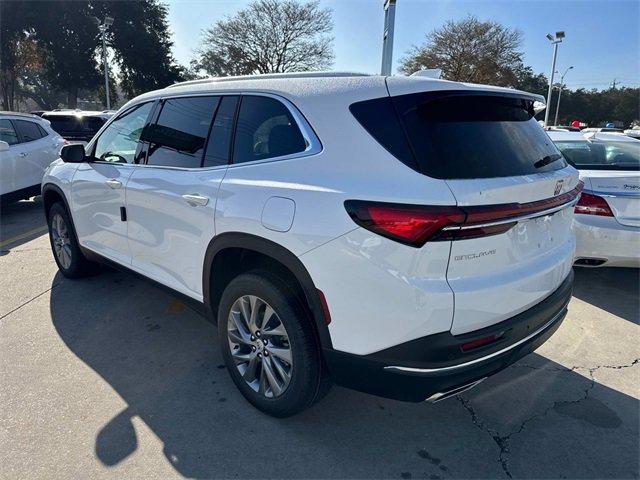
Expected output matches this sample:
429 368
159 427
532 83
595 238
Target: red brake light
409 224
593 205
414 225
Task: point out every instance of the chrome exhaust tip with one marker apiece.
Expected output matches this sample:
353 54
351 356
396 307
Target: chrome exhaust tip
436 397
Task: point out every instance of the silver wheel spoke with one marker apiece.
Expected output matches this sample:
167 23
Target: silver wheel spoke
250 372
271 376
282 353
255 309
242 329
276 331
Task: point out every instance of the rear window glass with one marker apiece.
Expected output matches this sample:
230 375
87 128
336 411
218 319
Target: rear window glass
601 155
28 131
75 124
463 135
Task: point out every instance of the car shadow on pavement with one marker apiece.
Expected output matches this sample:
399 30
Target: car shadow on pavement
21 222
536 419
620 298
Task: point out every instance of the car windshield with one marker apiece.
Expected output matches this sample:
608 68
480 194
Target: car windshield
596 155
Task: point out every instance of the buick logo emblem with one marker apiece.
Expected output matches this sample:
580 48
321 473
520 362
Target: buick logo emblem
559 185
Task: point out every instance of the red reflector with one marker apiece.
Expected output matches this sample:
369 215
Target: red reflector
480 342
593 205
325 307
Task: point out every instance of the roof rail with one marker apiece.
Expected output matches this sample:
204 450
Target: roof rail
265 76
18 114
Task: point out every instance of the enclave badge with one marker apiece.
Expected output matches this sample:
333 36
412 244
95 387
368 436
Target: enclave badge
559 185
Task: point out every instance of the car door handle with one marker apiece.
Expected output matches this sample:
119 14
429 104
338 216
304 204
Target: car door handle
196 200
23 154
113 183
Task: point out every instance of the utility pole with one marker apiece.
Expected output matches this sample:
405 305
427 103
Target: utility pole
387 36
103 27
560 94
555 40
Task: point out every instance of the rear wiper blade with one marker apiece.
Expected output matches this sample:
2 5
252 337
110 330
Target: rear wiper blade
547 160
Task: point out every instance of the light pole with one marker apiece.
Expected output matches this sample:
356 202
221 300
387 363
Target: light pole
555 40
387 36
555 122
103 27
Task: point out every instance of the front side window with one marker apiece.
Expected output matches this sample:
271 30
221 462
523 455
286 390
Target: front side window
265 129
27 130
179 136
119 141
8 133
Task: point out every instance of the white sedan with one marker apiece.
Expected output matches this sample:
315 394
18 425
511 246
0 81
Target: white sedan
607 220
27 146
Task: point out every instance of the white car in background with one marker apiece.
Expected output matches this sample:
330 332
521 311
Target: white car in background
28 145
607 221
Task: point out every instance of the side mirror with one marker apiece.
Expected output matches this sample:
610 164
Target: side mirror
4 146
73 153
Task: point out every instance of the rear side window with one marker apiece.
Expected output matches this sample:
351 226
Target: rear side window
178 138
28 131
463 135
265 129
8 133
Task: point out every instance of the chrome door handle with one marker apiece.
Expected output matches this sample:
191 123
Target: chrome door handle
196 200
114 183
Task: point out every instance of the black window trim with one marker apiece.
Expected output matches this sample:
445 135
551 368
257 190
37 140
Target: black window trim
90 148
20 137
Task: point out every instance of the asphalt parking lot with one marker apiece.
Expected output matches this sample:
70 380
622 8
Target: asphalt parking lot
109 377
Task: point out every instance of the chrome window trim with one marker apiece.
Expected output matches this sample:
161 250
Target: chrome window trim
314 146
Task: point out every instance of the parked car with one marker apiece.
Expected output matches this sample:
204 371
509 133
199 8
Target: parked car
403 236
633 133
607 222
602 130
27 146
77 126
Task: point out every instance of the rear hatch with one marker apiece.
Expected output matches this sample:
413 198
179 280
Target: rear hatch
498 163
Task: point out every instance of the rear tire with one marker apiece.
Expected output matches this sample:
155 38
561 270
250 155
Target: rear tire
274 358
64 244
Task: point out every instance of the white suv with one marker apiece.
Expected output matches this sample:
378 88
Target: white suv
406 237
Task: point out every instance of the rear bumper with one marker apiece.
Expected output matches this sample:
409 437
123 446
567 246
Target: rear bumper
426 367
603 238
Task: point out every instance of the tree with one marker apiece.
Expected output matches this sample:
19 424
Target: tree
470 50
269 36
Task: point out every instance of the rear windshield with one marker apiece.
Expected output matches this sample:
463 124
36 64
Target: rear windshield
464 135
601 155
75 124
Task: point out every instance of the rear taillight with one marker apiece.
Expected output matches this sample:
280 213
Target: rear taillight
416 224
593 205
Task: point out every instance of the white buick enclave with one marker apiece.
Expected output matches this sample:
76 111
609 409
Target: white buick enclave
403 236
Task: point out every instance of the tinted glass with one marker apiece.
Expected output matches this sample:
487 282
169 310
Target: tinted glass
28 131
265 129
178 138
458 135
601 155
75 126
219 142
119 140
7 133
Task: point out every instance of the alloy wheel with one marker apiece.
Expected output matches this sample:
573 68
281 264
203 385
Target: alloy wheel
61 240
259 346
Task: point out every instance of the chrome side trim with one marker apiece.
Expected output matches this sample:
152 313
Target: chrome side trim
529 216
436 397
602 193
452 368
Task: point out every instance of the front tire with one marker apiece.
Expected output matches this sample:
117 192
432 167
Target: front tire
64 244
269 345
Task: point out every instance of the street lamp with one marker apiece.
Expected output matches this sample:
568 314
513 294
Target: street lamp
103 27
555 40
560 93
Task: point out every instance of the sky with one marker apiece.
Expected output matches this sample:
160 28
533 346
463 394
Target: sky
602 36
